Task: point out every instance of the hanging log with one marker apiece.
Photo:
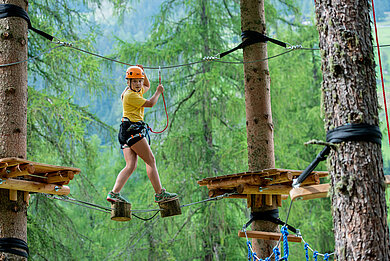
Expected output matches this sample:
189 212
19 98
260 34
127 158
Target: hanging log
268 236
170 208
120 211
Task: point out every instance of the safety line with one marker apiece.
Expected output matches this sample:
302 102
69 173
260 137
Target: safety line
380 68
32 58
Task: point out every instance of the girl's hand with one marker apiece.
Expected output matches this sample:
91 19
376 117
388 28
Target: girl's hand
140 66
160 88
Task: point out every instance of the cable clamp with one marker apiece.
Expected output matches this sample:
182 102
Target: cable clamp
64 43
293 47
211 58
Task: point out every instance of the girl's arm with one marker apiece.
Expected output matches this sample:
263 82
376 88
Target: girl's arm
146 80
152 101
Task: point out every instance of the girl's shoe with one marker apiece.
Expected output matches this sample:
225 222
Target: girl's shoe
164 196
116 197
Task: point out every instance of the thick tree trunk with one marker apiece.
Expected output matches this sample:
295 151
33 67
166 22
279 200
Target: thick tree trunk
258 111
356 168
13 118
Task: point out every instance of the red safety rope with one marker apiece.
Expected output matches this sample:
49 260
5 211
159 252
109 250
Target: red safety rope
165 106
380 68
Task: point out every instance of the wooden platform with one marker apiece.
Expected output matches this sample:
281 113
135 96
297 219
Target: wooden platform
266 182
24 175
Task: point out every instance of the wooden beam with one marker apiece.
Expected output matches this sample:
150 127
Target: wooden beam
268 200
32 186
60 176
268 236
13 195
20 170
26 197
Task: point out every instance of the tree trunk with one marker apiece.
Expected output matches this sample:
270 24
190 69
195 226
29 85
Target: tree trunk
258 112
356 168
13 115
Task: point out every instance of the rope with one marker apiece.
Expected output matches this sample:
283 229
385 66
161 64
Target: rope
285 242
165 106
315 255
380 68
33 58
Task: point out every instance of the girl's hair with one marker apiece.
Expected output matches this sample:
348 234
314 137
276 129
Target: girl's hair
123 93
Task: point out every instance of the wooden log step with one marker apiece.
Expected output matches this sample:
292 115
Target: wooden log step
170 208
120 211
32 186
268 236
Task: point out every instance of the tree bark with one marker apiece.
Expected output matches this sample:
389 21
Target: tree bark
258 112
349 96
13 115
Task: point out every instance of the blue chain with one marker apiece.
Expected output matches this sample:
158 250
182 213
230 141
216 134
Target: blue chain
285 242
307 251
326 257
277 253
315 255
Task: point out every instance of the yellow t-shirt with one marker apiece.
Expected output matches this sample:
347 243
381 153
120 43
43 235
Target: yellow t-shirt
132 105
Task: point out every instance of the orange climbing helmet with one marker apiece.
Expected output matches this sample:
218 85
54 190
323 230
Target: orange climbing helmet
135 72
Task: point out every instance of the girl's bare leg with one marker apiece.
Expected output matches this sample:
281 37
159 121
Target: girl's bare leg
131 164
143 150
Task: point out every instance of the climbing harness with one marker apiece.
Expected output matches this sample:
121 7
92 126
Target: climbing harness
348 132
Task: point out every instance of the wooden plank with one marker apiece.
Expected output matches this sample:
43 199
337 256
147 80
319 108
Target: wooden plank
310 192
268 236
39 167
13 195
32 186
271 190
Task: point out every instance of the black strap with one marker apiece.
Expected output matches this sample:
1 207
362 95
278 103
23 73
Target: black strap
348 132
9 10
252 37
8 245
271 216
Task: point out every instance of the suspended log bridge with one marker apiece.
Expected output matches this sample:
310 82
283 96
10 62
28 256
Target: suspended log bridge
23 175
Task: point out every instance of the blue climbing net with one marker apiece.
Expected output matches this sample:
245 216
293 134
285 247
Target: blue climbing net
252 256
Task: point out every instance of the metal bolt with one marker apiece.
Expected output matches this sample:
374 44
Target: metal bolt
57 188
260 189
5 34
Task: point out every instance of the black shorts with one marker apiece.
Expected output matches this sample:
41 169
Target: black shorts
131 132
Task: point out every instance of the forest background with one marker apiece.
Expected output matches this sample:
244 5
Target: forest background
74 112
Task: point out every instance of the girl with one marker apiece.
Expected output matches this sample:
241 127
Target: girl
132 134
